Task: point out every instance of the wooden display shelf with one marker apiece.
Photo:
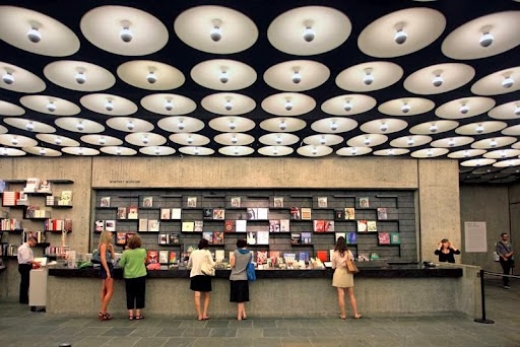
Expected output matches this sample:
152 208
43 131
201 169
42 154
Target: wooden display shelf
60 206
14 231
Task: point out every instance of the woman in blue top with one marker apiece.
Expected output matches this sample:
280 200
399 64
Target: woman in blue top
239 291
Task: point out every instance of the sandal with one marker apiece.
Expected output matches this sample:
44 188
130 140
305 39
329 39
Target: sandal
139 317
358 316
104 316
343 317
131 318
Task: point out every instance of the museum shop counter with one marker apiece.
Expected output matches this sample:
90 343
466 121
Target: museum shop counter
380 291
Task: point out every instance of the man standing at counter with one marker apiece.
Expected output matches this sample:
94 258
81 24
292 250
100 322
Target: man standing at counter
25 264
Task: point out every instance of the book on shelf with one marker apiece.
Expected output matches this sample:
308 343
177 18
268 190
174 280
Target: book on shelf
190 247
99 226
278 201
172 258
322 255
383 238
229 226
235 201
251 238
2 186
31 185
188 226
133 212
121 212
338 235
148 201
198 226
191 201
382 213
39 235
339 214
262 237
9 198
289 258
261 257
306 238
306 213
175 238
296 213
152 257
395 238
218 238
121 238
104 201
364 201
241 225
295 238
153 225
285 225
252 213
351 238
362 226
304 256
262 213
350 213
22 200
163 239
45 187
176 213
322 202
65 198
208 236
163 257
207 213
143 224
219 213
273 256
274 225
371 226
220 254
331 254
323 226
110 225
165 213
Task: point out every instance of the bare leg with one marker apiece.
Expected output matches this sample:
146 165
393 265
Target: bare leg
197 305
109 286
131 314
353 302
138 312
103 292
241 313
206 304
341 303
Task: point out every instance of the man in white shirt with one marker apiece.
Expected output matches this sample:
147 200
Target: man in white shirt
25 264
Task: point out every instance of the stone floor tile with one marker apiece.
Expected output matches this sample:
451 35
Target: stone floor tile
167 332
121 342
150 342
264 323
180 342
267 342
196 332
119 332
279 332
250 332
288 323
223 332
145 332
295 342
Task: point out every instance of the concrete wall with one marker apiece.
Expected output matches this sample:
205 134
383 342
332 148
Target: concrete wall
488 204
514 210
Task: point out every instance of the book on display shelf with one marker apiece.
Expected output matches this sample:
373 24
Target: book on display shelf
296 238
322 255
110 225
350 213
148 201
172 257
251 238
351 238
285 225
262 237
218 237
163 239
152 257
45 187
99 226
261 257
66 198
274 225
273 256
371 226
121 212
296 213
289 258
306 213
188 226
219 213
252 213
362 226
262 213
278 201
236 201
175 238
31 185
339 214
306 238
229 226
129 236
207 213
364 202
382 213
176 213
163 257
190 247
121 238
304 256
383 238
241 225
208 236
104 202
220 254
338 235
133 212
198 226
322 202
165 213
191 201
143 224
395 238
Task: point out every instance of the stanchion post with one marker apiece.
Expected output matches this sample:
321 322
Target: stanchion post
483 320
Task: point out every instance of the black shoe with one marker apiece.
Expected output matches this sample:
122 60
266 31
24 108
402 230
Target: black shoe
507 287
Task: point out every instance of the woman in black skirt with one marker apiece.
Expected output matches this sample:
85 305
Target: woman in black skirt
239 292
199 281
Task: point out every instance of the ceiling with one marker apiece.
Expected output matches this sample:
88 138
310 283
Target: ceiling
422 79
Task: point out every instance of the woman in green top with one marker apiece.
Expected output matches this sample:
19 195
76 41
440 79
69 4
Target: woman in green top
133 261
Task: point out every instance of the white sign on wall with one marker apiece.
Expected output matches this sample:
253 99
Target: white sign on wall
475 235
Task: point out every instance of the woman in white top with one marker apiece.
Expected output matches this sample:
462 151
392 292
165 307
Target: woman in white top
199 281
342 279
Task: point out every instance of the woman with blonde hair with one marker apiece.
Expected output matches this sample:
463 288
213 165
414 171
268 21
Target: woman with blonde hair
342 279
106 255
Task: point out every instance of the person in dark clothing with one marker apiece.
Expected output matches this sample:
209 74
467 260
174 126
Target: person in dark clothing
446 251
505 251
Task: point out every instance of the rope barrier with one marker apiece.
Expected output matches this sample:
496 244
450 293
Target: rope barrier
500 275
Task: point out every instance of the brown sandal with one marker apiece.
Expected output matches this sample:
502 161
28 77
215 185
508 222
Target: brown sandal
104 316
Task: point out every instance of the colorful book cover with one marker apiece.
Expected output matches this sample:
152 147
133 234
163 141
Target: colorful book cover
278 201
362 226
229 226
351 238
364 202
296 213
191 201
322 202
328 226
261 257
207 213
322 255
383 238
188 227
295 238
172 257
371 226
304 256
105 201
235 201
163 239
306 213
121 238
163 257
395 238
175 238
382 213
208 235
219 213
133 212
339 214
99 226
153 257
148 201
285 225
274 225
110 225
218 237
121 212
350 213
306 238
274 255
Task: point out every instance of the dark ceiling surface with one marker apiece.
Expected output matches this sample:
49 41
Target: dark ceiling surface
261 56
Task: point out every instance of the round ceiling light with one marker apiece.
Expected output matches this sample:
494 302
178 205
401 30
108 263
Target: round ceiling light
296 75
369 76
439 78
79 75
223 74
151 75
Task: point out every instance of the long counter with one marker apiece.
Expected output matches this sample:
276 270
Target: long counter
383 291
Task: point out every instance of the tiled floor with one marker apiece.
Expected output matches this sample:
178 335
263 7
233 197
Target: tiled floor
20 327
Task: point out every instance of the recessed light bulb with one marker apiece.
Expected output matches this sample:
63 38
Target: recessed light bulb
224 78
57 140
353 151
517 110
51 107
157 151
168 105
118 151
189 140
102 141
34 35
14 141
80 126
42 151
4 151
503 154
383 127
275 151
309 34
232 125
451 143
278 140
109 106
151 78
8 78
29 126
369 78
400 37
296 77
437 81
464 109
216 33
146 140
181 125
80 77
493 143
80 151
288 105
314 151
323 140
333 126
410 142
228 105
405 108
466 154
348 106
508 82
234 140
367 141
391 152
433 128
282 125
236 152
126 35
130 125
429 153
196 151
486 39
479 129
